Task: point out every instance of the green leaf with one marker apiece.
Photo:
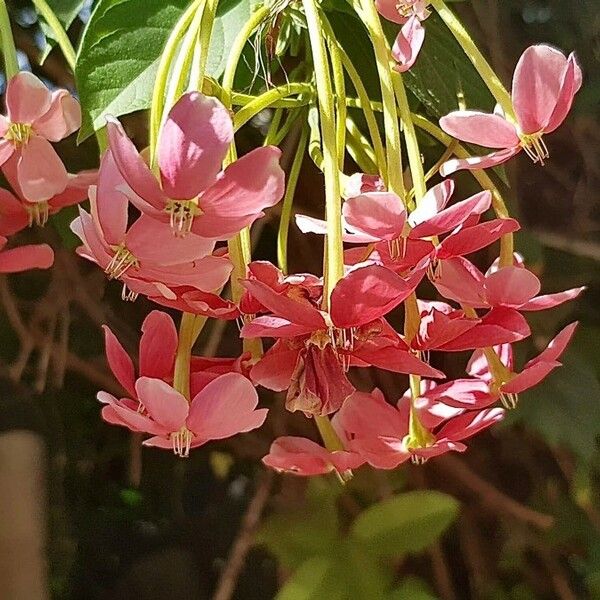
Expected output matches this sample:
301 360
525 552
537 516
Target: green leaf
316 579
296 535
121 49
406 523
411 588
66 12
443 71
565 407
118 58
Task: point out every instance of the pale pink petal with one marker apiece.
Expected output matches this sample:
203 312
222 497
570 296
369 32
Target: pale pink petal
158 345
133 168
461 280
193 143
396 360
483 129
165 405
7 149
108 204
135 420
475 163
537 86
570 86
452 217
40 171
274 370
366 294
511 286
552 300
432 202
225 407
4 125
378 214
38 256
61 119
247 186
408 44
119 361
27 98
77 189
153 242
308 224
461 393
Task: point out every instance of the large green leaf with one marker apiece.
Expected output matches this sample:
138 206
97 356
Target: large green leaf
121 48
565 407
119 54
313 528
316 579
406 523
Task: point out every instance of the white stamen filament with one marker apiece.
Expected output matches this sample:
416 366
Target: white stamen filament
122 260
38 213
181 215
535 147
182 441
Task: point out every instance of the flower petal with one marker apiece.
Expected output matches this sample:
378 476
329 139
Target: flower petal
378 214
165 405
193 143
551 300
511 286
225 407
570 86
474 163
408 44
61 119
40 171
274 370
483 129
119 361
27 98
158 345
23 258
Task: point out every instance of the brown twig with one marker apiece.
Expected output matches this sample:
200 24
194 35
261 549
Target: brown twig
241 546
492 498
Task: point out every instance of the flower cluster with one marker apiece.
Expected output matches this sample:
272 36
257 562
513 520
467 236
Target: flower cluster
171 224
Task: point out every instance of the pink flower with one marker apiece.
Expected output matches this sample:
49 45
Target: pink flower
401 11
448 330
23 258
512 287
35 117
360 183
146 257
17 212
379 432
193 193
408 44
537 369
544 86
157 348
224 407
301 456
315 348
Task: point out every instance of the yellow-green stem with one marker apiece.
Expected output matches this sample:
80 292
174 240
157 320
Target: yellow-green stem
62 38
498 204
479 62
181 377
410 137
381 47
334 265
11 64
288 199
162 74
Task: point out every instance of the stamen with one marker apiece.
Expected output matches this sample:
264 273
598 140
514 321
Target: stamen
418 460
182 441
19 133
535 147
182 214
128 295
38 213
120 262
509 401
434 270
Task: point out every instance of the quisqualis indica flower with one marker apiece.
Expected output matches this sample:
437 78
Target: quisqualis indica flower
544 85
35 117
223 408
24 258
192 193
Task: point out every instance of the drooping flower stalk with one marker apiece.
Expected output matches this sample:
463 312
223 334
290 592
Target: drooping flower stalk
382 50
59 31
484 69
11 64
